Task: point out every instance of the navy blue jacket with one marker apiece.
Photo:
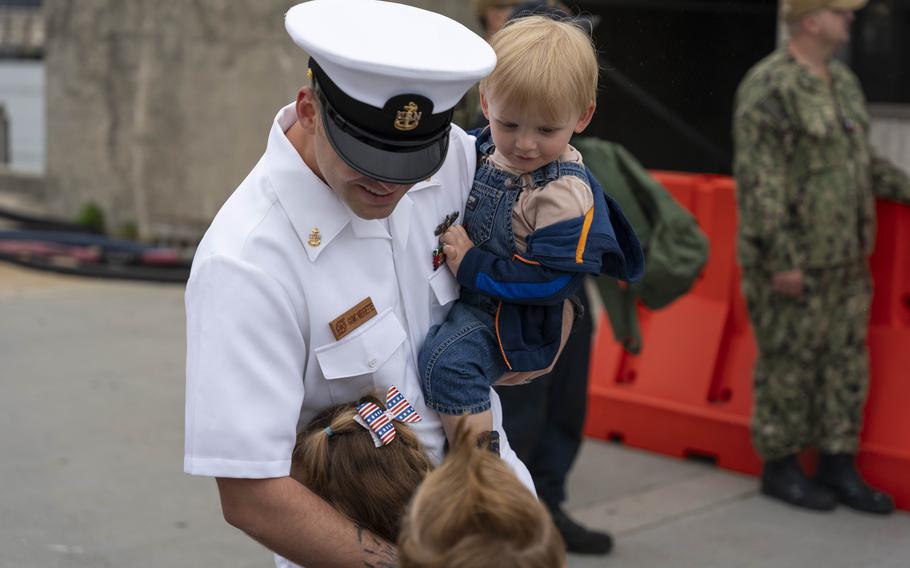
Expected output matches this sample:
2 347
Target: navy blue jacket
531 288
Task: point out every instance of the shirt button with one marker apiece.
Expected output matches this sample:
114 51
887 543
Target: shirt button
372 363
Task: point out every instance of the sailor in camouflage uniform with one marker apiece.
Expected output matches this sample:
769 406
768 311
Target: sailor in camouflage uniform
807 180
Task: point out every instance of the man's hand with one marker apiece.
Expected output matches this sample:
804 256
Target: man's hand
788 283
456 244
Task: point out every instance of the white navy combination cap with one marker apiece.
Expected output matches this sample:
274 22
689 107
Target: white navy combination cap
388 77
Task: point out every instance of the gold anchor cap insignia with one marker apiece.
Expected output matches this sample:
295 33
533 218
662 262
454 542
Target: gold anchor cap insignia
408 118
315 238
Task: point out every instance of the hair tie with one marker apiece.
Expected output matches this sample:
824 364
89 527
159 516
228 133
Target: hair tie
328 431
381 421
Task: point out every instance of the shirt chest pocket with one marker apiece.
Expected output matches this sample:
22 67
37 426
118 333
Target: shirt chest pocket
444 290
820 143
816 115
363 352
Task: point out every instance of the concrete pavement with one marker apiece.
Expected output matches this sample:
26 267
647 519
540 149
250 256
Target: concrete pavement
91 433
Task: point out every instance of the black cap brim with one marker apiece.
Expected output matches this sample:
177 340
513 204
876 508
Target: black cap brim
402 166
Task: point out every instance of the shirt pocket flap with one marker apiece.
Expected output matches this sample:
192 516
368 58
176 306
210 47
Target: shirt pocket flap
445 287
364 350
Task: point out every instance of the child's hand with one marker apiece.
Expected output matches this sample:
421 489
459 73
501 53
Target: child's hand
456 244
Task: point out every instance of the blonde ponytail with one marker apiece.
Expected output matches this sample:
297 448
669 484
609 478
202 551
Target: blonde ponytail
473 512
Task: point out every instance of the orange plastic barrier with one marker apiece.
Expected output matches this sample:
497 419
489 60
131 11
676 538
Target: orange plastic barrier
890 263
689 393
884 456
681 186
672 399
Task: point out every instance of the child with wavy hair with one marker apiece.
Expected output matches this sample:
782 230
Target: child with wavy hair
361 458
473 512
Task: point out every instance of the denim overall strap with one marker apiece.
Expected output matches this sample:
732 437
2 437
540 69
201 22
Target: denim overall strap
488 211
555 170
488 214
485 144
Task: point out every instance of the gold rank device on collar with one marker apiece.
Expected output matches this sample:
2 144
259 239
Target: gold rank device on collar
315 238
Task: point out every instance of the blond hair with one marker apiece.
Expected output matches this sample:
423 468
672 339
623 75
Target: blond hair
543 64
335 458
473 512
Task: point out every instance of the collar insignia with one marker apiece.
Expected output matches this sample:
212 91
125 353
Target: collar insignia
315 238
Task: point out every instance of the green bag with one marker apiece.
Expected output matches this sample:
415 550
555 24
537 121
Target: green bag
675 248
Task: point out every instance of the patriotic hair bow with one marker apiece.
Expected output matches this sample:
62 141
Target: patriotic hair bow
380 421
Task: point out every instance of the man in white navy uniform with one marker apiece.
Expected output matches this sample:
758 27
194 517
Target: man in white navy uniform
315 284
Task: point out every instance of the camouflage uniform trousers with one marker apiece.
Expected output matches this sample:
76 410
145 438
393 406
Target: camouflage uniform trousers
811 376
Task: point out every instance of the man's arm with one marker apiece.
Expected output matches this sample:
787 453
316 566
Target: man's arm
764 212
284 516
889 181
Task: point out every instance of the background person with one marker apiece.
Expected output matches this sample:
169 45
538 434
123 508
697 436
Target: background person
806 178
491 15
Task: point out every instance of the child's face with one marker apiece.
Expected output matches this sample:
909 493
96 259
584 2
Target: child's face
526 141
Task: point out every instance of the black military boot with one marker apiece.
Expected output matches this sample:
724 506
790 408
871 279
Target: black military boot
578 539
838 473
784 479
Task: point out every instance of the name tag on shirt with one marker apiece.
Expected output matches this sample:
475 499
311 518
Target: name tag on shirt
353 318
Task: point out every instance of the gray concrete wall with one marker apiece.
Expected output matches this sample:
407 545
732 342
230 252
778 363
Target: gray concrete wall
157 109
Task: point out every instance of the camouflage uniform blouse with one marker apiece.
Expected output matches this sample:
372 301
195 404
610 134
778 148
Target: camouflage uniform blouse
805 171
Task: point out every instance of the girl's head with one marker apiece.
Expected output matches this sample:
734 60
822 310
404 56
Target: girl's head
543 89
336 459
473 512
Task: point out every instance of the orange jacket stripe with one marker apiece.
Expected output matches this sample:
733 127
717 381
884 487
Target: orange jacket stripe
583 239
499 339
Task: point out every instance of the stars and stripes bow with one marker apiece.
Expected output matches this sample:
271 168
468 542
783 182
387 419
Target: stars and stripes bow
381 421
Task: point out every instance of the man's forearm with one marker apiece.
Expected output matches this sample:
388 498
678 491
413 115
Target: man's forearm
889 181
287 518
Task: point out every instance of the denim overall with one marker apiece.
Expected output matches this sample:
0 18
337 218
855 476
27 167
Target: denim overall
461 358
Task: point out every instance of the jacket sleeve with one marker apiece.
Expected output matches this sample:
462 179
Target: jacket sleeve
760 170
625 261
889 181
516 280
